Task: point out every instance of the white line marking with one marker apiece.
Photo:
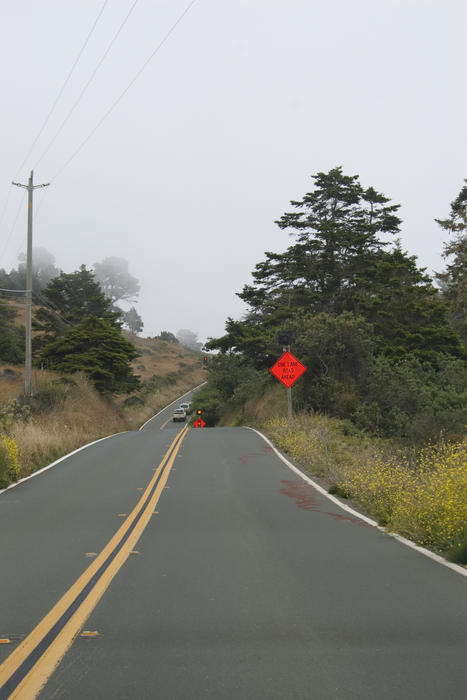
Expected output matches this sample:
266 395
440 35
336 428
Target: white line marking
57 461
455 567
83 447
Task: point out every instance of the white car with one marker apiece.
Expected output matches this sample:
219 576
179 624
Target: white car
186 407
179 415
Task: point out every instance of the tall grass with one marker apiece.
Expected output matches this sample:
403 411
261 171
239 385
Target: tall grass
72 415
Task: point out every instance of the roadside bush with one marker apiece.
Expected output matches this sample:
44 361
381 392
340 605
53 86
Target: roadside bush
9 464
413 400
209 400
13 411
51 395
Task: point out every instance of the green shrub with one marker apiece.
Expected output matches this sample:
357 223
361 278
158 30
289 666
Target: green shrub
9 463
458 554
50 396
210 402
413 400
13 411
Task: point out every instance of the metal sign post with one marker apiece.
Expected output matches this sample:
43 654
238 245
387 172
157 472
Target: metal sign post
287 370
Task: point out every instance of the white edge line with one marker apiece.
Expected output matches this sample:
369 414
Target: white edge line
83 447
171 404
60 459
369 521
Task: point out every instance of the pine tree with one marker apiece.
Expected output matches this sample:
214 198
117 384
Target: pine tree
68 299
133 321
337 231
454 280
96 348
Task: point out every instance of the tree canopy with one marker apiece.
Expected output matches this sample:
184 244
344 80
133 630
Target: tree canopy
454 279
336 229
133 321
96 348
69 298
43 270
342 261
115 280
189 339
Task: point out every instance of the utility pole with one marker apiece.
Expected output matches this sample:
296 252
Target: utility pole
30 187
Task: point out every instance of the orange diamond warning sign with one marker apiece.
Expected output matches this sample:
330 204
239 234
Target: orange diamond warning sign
288 369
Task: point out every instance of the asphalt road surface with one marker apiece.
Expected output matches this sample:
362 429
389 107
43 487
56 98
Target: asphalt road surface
218 573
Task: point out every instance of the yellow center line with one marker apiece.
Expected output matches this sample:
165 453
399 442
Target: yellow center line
41 669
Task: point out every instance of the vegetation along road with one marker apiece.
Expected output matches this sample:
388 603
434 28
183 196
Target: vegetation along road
179 563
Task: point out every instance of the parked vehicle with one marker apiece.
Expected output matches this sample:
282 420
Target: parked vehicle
179 415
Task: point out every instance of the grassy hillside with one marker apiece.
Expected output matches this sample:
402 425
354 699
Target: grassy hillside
66 412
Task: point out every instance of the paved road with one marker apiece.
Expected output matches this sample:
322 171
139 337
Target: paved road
246 583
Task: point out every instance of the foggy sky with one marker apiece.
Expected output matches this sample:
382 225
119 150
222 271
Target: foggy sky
240 106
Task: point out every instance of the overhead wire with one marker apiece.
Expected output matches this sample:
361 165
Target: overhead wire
41 301
67 79
46 120
111 108
91 78
123 93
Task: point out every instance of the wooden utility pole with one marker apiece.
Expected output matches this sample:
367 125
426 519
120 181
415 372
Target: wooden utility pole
30 187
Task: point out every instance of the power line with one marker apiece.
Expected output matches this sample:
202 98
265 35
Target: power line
130 84
7 199
80 96
64 85
40 300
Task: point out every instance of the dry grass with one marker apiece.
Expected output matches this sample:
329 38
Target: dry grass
79 416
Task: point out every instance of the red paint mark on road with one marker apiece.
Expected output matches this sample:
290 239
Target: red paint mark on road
304 495
307 498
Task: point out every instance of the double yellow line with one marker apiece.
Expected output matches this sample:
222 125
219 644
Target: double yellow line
29 666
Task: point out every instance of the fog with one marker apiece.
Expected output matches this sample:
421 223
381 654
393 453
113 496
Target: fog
185 129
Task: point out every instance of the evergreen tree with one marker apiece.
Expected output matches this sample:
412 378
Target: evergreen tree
68 299
115 280
340 263
133 321
188 339
337 231
454 280
96 348
43 270
407 313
